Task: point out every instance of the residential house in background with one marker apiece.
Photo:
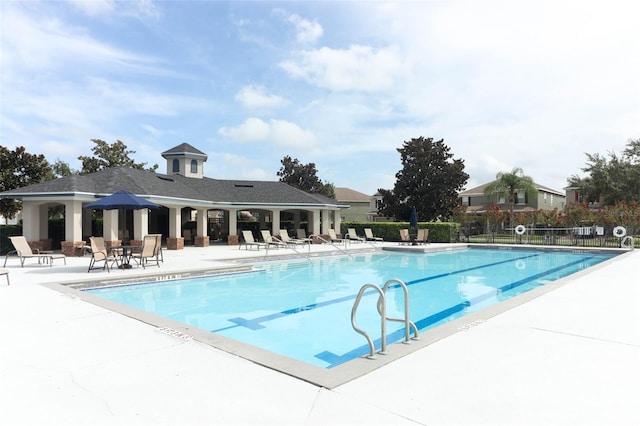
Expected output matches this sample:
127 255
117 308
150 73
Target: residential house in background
546 199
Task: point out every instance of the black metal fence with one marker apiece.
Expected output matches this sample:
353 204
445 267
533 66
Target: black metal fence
580 236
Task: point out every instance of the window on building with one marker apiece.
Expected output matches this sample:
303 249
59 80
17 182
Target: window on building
521 198
176 166
194 166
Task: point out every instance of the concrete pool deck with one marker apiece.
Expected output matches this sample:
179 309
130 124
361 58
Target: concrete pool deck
570 356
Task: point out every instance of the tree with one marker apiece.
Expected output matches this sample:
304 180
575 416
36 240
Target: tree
611 179
304 177
508 184
18 168
106 156
430 180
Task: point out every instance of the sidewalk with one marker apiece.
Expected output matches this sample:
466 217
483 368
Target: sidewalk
568 357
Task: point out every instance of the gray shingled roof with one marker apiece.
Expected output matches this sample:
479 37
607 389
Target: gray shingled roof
184 148
145 183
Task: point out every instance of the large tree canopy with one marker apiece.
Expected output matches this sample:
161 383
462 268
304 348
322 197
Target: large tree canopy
508 184
611 179
304 177
430 180
18 168
106 156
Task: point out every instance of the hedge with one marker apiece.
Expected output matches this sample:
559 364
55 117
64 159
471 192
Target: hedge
439 232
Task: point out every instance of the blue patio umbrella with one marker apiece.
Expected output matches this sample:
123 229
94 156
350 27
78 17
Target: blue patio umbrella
121 200
413 222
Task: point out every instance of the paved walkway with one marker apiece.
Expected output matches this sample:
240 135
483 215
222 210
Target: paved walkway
568 357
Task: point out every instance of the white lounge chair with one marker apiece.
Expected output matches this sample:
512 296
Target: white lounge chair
270 240
284 237
405 238
368 234
334 238
353 236
23 251
423 236
249 241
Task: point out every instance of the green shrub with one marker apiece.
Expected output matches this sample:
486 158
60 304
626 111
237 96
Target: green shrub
439 232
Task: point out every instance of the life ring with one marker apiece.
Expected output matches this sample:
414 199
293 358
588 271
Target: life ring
619 231
520 229
628 239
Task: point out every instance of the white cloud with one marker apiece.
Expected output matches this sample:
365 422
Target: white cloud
135 8
255 97
307 31
48 44
280 132
358 68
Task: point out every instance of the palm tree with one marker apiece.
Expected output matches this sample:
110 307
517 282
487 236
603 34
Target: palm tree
508 185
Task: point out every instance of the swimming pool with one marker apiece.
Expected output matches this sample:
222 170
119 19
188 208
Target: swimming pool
302 310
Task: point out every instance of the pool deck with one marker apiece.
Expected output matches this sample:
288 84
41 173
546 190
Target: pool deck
570 356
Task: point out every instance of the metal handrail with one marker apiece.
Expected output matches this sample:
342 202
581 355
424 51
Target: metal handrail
408 324
383 325
330 242
382 310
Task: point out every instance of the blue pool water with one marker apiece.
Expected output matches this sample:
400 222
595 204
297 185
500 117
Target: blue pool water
303 310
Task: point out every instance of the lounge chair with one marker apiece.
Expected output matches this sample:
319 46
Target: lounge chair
249 241
23 251
334 238
5 272
99 253
159 254
405 238
353 236
423 236
284 237
148 252
271 241
301 235
368 234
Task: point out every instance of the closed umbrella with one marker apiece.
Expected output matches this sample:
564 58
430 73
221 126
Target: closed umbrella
121 200
413 222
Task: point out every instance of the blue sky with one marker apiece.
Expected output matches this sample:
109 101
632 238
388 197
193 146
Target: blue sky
530 84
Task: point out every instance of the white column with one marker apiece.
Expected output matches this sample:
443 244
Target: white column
232 221
87 222
202 217
337 220
43 215
275 222
73 221
30 221
326 221
175 222
110 225
296 219
140 223
315 222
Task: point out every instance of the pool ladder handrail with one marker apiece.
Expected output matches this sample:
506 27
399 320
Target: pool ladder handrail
324 240
382 310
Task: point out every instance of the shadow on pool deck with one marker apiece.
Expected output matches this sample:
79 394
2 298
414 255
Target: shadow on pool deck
567 356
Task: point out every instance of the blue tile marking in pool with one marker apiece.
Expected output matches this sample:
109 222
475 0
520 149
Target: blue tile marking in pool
334 359
255 324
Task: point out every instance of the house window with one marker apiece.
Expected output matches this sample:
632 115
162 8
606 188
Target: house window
521 197
176 165
545 198
501 199
194 166
466 201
